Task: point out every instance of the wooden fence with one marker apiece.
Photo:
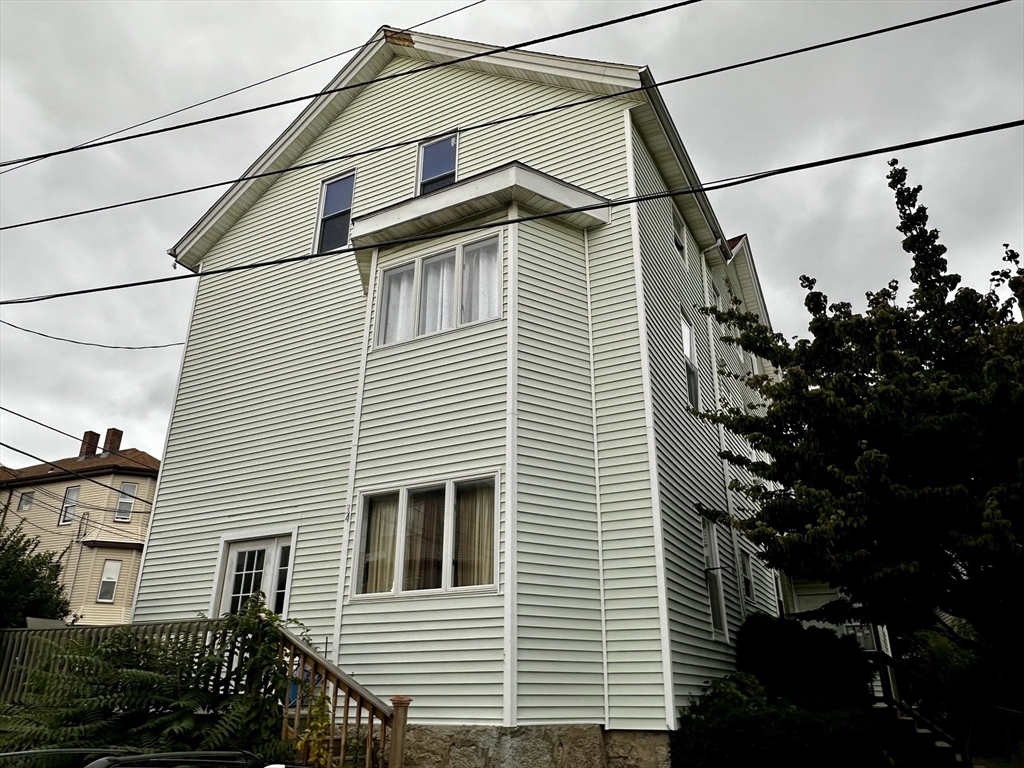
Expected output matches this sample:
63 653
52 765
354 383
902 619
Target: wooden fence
349 721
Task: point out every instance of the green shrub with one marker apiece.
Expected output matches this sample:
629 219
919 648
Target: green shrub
161 695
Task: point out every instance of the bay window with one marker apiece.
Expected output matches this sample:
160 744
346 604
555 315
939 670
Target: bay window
458 287
437 537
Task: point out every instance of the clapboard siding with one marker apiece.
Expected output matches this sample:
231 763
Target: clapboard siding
559 655
690 471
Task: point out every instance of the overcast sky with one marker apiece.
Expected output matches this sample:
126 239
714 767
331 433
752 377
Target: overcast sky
72 71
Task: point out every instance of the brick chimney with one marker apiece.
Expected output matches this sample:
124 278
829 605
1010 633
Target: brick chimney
90 441
112 442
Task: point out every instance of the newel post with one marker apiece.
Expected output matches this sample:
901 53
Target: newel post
399 718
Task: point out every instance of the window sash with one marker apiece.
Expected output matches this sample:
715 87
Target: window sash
748 575
447 542
418 298
438 161
108 581
713 575
25 501
68 506
335 213
125 502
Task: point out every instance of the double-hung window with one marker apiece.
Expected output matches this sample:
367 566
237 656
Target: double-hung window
108 581
713 575
126 502
25 502
748 576
68 506
689 362
437 164
433 294
680 239
335 213
438 537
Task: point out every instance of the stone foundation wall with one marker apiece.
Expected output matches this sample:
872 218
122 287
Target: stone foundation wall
535 746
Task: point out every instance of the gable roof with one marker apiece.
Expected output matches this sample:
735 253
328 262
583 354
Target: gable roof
126 461
386 44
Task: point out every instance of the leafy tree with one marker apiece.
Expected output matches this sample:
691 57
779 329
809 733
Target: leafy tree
29 580
891 445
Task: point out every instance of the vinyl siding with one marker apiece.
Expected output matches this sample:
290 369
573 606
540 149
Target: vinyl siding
560 665
690 472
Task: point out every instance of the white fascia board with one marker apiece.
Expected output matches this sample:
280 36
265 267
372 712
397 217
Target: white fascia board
191 248
486 191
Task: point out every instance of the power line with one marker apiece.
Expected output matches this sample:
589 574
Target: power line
264 81
76 474
90 343
73 437
350 86
75 516
693 189
91 507
507 119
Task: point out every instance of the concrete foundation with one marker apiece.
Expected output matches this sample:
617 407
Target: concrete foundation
536 746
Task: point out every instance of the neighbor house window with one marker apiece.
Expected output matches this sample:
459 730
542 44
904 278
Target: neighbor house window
126 501
748 575
67 507
437 537
25 502
454 288
437 164
689 363
335 214
713 575
108 581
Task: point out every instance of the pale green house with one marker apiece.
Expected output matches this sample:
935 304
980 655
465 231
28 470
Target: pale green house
465 461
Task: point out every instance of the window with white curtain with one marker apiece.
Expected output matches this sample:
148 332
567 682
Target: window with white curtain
458 287
108 581
446 543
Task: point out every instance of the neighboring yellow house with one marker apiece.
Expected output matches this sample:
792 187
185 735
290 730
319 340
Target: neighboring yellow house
94 510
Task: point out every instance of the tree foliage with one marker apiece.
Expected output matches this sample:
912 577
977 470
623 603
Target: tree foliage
29 580
891 444
190 691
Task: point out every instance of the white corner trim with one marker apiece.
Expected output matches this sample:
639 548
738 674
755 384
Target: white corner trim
167 437
509 705
652 446
353 455
597 483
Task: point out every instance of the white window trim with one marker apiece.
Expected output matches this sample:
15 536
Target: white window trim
716 565
64 506
248 534
22 506
122 516
679 235
747 574
417 181
396 592
99 589
690 361
459 248
315 247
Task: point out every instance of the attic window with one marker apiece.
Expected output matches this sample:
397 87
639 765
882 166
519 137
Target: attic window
336 213
437 165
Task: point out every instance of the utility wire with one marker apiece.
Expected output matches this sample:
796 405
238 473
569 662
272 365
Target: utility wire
350 86
91 507
508 119
90 343
80 518
264 81
76 474
693 189
73 437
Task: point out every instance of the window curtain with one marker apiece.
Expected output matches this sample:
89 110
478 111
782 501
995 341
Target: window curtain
379 543
397 305
424 539
437 293
481 289
474 534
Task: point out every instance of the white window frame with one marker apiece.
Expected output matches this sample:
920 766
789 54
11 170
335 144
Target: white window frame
396 591
419 162
68 506
713 574
26 500
417 263
105 580
679 235
747 577
125 497
252 534
315 247
689 361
